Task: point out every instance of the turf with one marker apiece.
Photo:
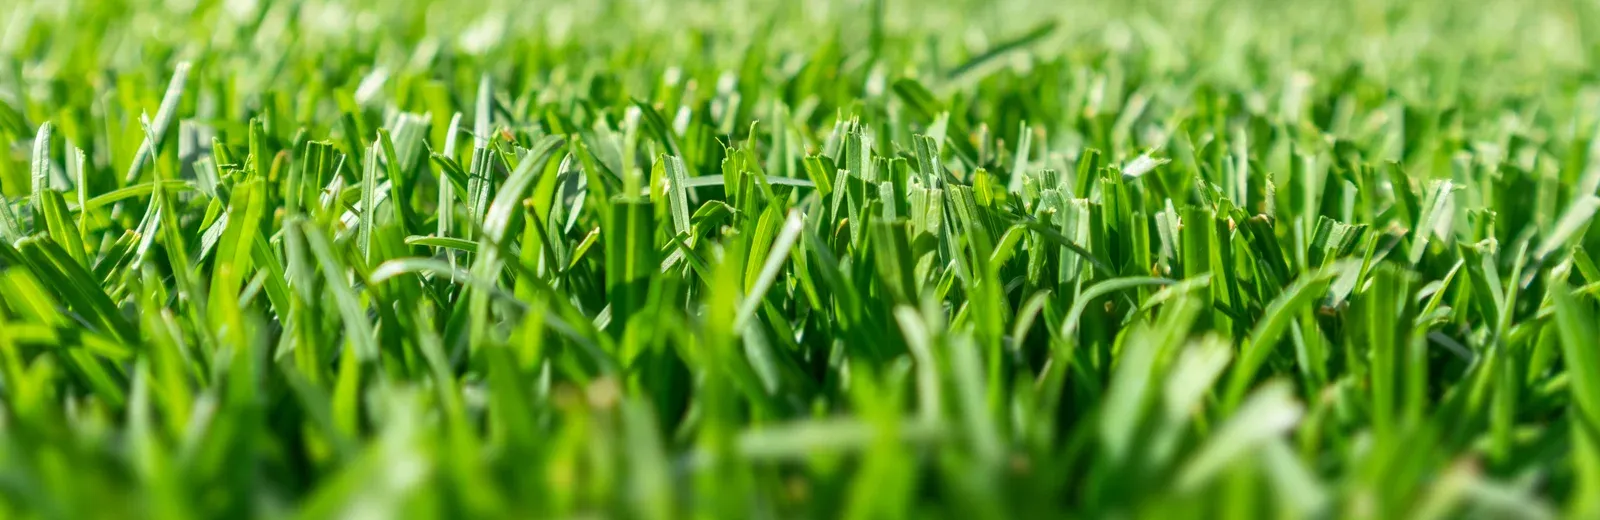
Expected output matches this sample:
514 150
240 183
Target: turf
833 259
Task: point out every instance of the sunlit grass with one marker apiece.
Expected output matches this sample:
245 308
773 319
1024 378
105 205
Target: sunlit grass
754 259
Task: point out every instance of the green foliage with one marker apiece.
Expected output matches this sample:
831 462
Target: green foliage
847 258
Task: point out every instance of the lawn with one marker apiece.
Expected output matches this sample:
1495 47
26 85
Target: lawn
834 259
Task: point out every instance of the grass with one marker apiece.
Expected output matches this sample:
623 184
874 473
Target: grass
865 259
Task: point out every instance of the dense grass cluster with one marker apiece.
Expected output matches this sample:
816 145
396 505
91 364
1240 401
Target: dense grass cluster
763 259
